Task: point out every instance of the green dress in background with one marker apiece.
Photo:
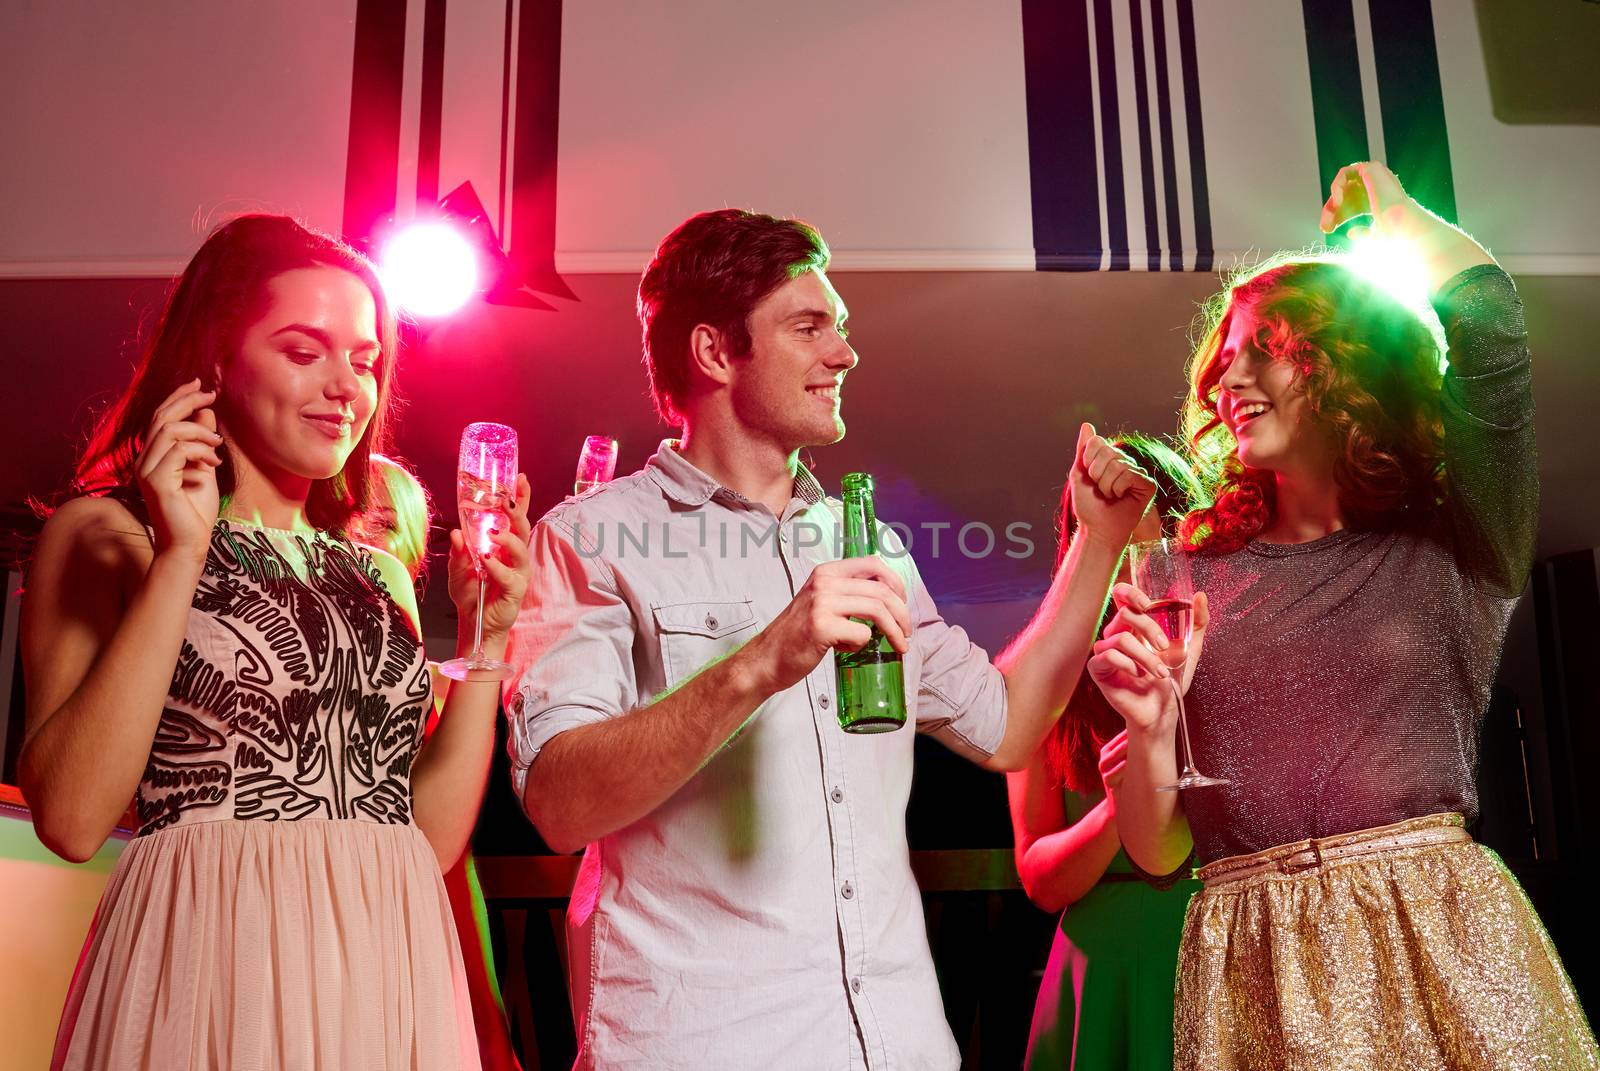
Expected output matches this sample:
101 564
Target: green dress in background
1106 998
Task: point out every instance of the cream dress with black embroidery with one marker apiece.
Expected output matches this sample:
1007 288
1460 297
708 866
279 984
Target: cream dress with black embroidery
279 908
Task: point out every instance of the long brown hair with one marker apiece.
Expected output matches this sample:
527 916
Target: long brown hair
1370 369
1072 749
219 295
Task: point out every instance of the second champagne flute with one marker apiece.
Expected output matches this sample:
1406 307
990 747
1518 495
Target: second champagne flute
486 480
597 463
1161 570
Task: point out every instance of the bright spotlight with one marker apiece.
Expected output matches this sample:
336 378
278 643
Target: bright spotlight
429 269
1394 266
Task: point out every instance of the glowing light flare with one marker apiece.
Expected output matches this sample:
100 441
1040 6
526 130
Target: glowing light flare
1395 266
430 269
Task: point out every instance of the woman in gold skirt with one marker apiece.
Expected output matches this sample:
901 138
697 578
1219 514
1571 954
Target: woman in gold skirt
1371 526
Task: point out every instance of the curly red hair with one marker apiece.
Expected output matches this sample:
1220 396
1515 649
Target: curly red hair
1370 369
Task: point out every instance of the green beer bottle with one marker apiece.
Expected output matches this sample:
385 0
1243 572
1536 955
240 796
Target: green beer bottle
872 688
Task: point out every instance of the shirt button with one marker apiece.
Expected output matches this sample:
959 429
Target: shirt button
847 891
837 795
855 985
823 699
711 621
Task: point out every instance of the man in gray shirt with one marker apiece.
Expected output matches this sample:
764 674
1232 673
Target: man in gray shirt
746 898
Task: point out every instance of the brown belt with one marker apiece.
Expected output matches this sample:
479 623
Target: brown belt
1309 854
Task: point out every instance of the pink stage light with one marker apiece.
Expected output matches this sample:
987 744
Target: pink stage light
429 269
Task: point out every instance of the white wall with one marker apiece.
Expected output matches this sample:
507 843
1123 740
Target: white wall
128 128
899 126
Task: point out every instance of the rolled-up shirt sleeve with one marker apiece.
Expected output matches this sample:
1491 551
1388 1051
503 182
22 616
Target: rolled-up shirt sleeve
571 649
961 696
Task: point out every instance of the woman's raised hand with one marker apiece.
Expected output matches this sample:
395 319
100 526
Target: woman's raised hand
1370 189
177 470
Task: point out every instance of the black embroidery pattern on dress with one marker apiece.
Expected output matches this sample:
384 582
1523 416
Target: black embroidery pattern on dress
179 776
298 693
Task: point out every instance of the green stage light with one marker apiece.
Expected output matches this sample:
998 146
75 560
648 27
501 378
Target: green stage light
1393 265
1396 267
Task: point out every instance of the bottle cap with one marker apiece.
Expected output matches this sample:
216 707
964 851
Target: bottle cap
857 482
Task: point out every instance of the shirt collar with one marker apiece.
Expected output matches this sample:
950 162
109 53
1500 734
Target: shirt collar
685 484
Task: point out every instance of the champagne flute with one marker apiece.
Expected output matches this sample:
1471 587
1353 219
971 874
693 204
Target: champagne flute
1161 570
596 464
486 480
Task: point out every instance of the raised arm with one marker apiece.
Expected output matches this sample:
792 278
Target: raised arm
599 758
1491 456
1043 664
102 625
1371 190
1491 462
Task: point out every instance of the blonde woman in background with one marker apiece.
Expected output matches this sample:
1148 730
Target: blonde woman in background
399 516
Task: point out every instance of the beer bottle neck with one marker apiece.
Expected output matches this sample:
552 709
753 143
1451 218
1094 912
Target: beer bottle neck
860 526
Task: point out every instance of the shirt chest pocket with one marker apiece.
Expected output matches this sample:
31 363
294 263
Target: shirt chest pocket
693 634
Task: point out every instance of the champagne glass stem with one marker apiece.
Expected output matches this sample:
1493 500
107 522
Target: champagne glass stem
1190 777
1183 731
477 630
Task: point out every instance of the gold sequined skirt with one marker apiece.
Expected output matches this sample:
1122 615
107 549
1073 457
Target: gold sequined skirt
1407 947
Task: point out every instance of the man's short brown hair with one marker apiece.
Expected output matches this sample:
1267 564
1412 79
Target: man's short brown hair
714 269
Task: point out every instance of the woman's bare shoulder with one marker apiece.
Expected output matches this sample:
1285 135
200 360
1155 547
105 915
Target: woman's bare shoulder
95 529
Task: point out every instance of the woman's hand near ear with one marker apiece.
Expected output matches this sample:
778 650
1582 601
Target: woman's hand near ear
177 470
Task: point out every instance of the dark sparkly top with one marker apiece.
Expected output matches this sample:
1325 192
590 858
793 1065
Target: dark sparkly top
1344 680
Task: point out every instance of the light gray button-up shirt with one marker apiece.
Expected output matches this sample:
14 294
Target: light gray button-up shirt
765 916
